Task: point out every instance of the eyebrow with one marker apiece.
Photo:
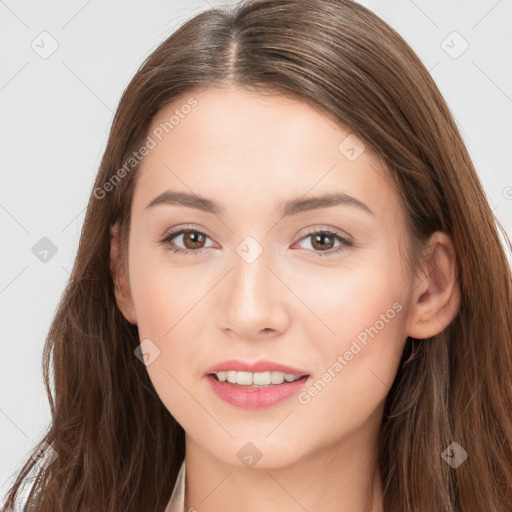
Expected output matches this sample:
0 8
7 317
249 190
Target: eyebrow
285 208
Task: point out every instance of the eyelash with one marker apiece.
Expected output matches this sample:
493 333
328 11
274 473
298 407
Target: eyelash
345 242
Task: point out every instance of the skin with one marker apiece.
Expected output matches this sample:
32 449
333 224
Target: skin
292 305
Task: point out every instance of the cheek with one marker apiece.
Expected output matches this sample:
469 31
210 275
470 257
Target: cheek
166 317
346 300
167 301
162 294
359 340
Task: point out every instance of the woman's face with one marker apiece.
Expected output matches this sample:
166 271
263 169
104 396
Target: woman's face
258 176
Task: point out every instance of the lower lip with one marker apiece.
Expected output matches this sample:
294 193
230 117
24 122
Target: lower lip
250 397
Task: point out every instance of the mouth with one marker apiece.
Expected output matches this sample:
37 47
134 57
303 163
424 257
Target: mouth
255 385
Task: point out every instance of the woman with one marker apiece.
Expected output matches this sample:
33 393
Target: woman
290 292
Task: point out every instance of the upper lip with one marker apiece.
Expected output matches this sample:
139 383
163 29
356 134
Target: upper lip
262 365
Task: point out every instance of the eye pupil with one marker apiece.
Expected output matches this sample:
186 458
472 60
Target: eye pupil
196 239
319 239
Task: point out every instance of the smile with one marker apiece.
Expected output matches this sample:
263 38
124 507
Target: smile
256 378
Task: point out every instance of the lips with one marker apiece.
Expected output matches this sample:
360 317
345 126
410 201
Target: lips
261 365
243 395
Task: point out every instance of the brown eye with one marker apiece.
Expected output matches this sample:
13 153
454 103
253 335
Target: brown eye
322 241
193 239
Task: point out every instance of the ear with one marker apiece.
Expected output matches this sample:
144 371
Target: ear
436 293
121 284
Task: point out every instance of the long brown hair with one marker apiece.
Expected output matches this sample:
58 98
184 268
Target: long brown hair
118 447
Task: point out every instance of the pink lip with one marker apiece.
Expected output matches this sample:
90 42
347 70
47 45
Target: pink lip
254 397
262 365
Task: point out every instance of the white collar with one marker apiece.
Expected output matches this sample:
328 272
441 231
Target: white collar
177 501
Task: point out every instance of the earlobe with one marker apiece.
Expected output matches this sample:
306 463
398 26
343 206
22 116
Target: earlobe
436 294
121 285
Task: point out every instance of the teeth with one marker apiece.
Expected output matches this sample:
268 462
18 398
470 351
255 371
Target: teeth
243 378
277 377
256 379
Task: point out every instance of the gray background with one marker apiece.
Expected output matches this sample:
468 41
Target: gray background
56 113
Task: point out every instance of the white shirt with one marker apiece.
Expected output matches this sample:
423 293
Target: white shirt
177 501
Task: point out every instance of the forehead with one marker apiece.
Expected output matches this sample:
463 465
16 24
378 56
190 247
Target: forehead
249 149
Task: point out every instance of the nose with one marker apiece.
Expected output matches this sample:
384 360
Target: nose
254 301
